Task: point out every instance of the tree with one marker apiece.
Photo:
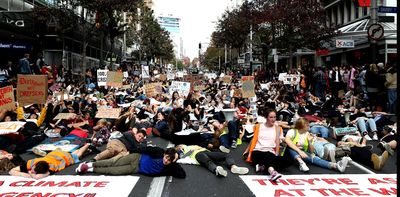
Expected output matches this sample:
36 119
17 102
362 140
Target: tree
212 58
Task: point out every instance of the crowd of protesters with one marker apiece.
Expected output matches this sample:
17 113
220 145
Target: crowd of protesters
284 124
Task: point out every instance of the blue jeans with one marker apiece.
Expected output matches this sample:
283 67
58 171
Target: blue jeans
233 132
319 129
311 159
319 148
392 94
365 125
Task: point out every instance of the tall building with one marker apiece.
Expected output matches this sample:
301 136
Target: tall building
353 22
172 25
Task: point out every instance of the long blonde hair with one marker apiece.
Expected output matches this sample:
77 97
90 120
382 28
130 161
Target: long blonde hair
301 123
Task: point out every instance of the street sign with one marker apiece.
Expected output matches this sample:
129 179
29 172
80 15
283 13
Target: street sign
386 19
383 9
344 43
275 58
375 31
240 61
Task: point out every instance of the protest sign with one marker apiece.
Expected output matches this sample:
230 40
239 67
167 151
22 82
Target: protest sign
145 72
68 185
102 77
170 75
110 113
237 93
32 89
227 79
126 74
10 127
323 185
289 79
114 79
152 89
163 77
7 98
248 87
64 116
183 88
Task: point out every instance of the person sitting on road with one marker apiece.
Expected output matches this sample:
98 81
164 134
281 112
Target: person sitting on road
300 144
264 148
207 158
129 142
156 163
53 162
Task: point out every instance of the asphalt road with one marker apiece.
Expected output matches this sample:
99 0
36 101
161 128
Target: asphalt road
201 182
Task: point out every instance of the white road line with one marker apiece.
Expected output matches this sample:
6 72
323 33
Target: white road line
157 185
362 167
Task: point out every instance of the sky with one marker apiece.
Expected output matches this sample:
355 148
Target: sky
198 20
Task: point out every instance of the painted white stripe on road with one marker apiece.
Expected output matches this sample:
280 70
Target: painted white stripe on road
156 187
361 167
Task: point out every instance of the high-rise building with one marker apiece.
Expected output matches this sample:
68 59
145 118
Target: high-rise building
172 25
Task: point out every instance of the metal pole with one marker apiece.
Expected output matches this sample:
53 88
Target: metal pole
374 12
251 49
219 61
226 56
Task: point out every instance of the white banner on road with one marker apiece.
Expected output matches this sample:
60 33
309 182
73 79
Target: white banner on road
323 185
85 186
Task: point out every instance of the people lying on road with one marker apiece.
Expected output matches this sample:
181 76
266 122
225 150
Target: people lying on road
207 159
157 163
53 162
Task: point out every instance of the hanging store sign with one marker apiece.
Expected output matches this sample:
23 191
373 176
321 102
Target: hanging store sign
382 9
344 43
364 3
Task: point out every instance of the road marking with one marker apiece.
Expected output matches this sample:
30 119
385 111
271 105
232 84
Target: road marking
157 185
361 167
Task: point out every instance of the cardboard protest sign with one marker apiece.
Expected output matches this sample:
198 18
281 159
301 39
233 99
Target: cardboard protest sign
32 89
10 127
7 98
114 79
152 89
102 77
227 79
110 113
64 116
68 185
183 88
323 185
237 93
248 87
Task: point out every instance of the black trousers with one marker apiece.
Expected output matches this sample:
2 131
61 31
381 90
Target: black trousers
269 159
208 159
361 155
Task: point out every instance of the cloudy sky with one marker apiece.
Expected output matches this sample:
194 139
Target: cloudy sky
198 19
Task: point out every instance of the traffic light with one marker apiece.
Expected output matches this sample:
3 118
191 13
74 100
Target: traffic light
199 45
97 19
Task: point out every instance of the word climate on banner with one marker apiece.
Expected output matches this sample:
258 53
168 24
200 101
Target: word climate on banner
323 185
83 186
32 89
7 98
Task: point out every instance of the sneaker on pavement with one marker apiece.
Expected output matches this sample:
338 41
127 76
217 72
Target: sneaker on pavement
303 167
375 137
239 170
388 148
224 149
366 136
379 161
234 144
260 168
275 176
342 164
39 152
82 168
219 171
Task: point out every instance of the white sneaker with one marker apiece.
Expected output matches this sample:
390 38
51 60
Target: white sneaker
375 137
303 167
219 171
224 149
366 136
239 170
38 151
342 164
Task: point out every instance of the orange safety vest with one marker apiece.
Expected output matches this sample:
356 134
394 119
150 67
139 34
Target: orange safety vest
253 143
57 160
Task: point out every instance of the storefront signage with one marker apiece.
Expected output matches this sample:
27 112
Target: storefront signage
364 3
344 43
17 19
383 9
7 45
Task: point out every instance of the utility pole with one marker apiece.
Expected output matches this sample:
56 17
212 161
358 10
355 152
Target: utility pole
251 49
226 56
374 20
219 61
